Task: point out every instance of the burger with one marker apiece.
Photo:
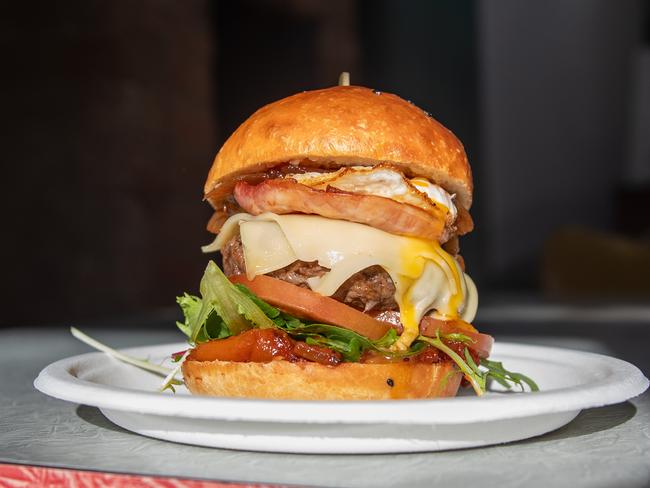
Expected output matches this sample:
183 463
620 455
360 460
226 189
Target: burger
337 213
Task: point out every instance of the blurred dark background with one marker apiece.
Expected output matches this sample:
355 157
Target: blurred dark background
113 111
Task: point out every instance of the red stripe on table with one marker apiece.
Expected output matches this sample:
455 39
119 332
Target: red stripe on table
19 476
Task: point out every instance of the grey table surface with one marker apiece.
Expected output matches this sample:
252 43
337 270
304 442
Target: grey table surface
608 446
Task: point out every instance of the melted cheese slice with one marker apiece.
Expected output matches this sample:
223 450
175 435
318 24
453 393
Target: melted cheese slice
426 277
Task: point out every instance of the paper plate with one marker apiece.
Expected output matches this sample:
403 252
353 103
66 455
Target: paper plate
569 382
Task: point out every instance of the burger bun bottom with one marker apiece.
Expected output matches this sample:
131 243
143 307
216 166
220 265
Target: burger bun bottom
282 379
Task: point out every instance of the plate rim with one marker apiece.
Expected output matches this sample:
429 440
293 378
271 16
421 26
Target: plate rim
625 381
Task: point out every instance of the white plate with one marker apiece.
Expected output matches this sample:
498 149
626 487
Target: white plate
570 381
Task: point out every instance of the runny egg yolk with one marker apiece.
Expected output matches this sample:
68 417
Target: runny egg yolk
436 194
414 255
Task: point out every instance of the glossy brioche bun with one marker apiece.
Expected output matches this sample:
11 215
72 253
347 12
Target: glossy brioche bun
345 126
312 381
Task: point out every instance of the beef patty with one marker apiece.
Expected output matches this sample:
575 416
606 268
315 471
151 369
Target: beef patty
369 290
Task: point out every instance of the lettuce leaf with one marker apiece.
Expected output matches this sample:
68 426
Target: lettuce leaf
214 326
190 306
221 311
498 373
348 343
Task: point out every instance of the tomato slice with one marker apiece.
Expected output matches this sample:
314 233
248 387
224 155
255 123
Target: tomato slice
306 304
481 343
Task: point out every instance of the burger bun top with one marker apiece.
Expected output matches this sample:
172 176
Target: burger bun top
345 126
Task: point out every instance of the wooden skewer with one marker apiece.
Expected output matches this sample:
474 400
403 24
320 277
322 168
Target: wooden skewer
344 79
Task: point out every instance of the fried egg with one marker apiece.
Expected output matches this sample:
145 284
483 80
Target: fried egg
383 181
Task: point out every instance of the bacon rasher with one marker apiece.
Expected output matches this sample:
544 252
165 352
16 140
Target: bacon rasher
285 196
